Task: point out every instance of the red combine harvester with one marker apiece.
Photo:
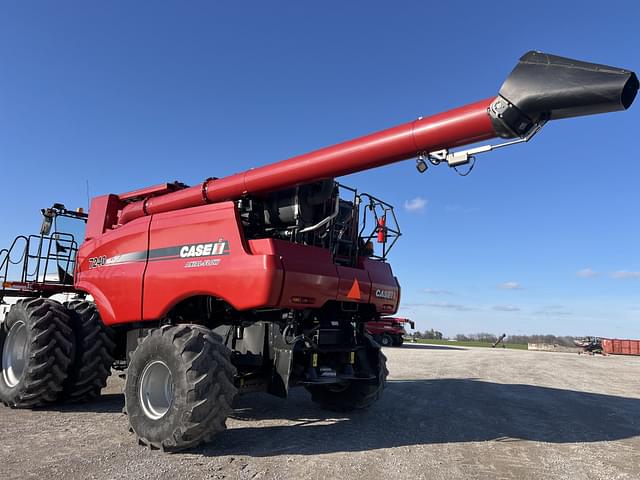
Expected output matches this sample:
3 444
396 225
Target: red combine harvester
389 331
262 280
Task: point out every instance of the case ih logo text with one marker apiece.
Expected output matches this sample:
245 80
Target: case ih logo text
386 294
205 249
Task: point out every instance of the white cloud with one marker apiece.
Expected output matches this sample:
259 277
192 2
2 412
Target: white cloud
434 291
506 308
417 204
552 311
587 273
510 286
620 274
452 306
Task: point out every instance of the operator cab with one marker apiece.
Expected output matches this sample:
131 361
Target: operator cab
44 263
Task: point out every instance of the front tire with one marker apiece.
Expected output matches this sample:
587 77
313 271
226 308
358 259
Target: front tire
37 345
358 394
179 387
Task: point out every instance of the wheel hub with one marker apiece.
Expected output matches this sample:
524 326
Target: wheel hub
156 390
14 354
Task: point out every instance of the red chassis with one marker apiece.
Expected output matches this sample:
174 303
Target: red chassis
146 267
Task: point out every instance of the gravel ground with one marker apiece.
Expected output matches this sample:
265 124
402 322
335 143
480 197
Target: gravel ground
447 413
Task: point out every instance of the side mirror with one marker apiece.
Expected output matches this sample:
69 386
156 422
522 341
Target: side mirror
47 222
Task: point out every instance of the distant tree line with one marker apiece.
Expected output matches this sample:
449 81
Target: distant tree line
491 338
428 334
565 341
477 337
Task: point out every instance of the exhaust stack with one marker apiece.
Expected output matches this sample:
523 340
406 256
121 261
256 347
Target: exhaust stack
547 87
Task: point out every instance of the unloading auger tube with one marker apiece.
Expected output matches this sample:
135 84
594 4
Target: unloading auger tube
540 88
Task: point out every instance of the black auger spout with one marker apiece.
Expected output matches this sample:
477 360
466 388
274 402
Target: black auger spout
547 87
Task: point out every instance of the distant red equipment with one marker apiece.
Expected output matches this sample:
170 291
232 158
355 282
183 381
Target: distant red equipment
389 331
615 346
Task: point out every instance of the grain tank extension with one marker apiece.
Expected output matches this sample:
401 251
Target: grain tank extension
260 281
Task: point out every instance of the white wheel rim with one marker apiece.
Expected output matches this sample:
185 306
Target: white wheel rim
14 354
156 390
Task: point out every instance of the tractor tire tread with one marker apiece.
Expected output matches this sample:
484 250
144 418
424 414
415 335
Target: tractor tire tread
50 353
95 344
210 390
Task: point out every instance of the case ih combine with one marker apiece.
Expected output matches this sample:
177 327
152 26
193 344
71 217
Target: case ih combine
263 280
388 331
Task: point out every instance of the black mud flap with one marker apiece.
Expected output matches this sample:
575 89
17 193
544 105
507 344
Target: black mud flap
282 354
372 354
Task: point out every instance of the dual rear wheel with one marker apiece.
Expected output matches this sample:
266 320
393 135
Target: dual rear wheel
53 352
37 345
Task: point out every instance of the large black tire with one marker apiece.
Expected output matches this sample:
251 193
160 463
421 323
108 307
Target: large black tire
386 340
201 393
42 343
357 395
93 356
400 340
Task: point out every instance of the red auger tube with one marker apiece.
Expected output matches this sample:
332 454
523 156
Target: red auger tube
541 87
460 126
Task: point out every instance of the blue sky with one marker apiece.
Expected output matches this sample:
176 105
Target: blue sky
536 240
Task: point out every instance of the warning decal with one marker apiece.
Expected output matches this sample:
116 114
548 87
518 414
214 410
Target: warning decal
354 293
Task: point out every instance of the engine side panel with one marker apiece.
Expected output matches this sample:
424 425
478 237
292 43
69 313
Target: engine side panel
201 251
309 272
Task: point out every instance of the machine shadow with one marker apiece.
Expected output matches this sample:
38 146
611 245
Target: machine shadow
426 346
106 403
428 412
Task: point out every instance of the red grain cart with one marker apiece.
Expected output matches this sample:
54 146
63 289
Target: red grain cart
616 346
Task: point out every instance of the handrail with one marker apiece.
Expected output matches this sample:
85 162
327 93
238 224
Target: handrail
59 249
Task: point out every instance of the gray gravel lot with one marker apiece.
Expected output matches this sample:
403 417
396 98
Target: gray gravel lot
447 413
